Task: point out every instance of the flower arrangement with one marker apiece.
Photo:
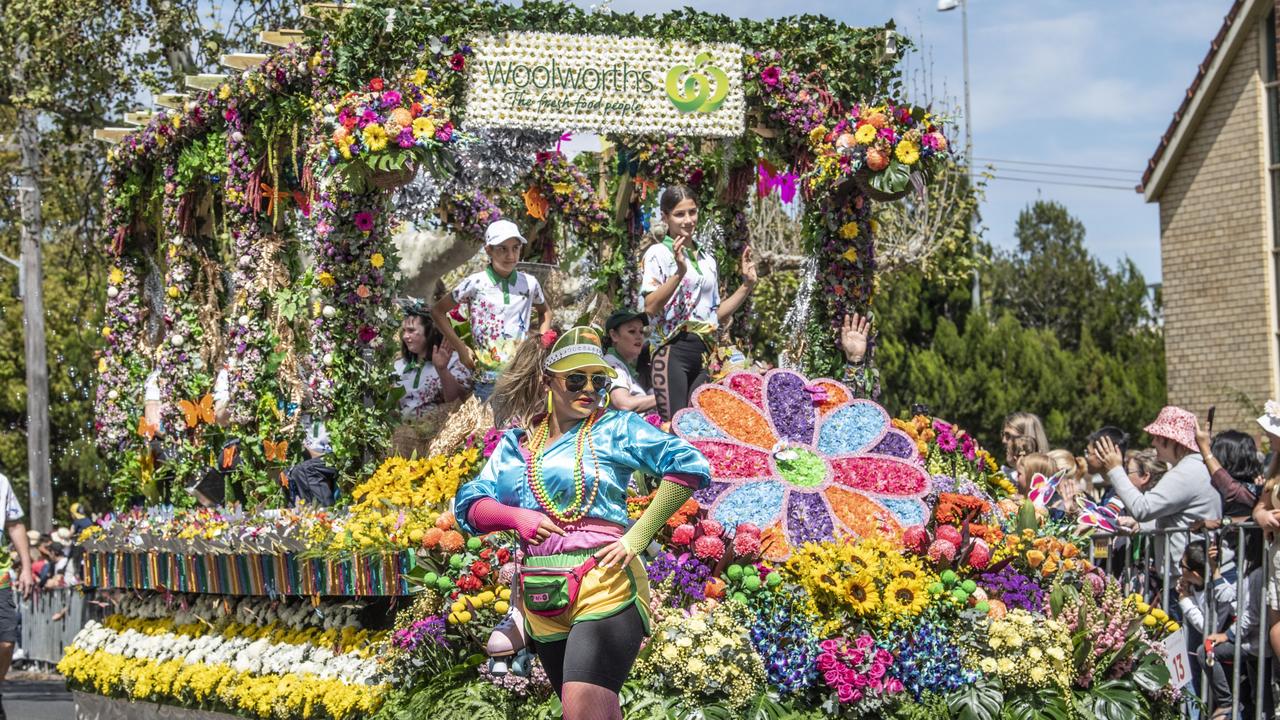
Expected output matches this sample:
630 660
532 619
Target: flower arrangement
556 182
285 665
804 457
859 673
706 656
386 131
120 366
882 144
1028 650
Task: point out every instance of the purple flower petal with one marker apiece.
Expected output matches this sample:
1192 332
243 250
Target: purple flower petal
808 518
790 406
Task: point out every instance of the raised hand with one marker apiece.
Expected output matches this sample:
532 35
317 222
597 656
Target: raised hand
853 337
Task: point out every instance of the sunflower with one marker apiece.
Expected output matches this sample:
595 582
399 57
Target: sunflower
903 596
864 557
862 595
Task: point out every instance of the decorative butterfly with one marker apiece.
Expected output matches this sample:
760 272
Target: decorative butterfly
146 429
276 451
769 180
1104 517
228 456
284 480
196 412
1043 488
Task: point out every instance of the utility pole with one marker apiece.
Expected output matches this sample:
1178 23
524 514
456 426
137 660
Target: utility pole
40 509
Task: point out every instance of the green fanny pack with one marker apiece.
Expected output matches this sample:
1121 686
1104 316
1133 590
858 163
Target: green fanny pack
549 590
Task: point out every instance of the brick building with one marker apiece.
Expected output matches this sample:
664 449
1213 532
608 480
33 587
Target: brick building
1216 177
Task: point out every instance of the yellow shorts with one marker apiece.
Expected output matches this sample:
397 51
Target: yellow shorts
603 593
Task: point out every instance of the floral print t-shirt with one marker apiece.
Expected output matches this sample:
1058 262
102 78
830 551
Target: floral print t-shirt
500 312
422 385
693 305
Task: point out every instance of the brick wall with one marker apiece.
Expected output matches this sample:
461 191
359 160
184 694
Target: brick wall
1216 251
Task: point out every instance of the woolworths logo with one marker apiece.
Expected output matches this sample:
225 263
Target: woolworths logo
701 88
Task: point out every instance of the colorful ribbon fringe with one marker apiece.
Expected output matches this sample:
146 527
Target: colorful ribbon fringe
288 574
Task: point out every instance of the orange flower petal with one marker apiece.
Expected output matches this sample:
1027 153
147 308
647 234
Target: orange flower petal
836 395
863 516
739 419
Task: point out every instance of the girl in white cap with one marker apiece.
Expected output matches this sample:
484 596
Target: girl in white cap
500 301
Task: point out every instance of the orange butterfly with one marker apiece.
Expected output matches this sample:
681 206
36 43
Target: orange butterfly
228 456
195 412
146 429
278 451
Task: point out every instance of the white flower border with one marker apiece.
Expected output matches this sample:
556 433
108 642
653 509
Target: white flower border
486 106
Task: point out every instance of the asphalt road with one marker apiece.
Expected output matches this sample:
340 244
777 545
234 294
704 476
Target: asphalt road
33 698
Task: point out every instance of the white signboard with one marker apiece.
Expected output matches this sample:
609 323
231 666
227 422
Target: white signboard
549 81
1176 658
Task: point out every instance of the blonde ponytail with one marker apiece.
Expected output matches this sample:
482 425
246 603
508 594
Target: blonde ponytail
520 392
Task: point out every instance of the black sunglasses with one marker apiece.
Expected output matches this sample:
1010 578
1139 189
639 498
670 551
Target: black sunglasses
575 381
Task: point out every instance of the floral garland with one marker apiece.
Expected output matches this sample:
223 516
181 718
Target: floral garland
121 369
181 370
556 182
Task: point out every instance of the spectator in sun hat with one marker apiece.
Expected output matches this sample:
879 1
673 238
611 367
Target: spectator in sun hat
1184 495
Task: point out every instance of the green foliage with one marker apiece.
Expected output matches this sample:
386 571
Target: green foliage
975 369
203 162
981 700
851 59
770 303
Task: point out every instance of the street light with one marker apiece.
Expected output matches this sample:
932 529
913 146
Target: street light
944 6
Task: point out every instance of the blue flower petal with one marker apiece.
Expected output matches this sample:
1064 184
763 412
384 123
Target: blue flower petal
850 429
758 503
693 425
908 512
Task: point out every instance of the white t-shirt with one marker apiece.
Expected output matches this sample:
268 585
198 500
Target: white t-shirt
422 385
625 380
499 318
693 305
12 513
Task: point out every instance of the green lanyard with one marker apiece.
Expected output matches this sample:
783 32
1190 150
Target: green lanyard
632 368
502 282
671 245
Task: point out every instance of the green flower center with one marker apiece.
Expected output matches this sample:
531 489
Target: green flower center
801 466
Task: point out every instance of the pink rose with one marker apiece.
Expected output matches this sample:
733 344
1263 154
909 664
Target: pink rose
863 642
832 677
884 656
860 680
827 661
830 645
845 693
877 671
894 685
856 657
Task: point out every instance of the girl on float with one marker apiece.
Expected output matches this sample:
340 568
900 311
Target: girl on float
559 479
680 285
428 369
626 353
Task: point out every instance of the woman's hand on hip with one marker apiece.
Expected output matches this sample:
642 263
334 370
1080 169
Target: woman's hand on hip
545 529
614 555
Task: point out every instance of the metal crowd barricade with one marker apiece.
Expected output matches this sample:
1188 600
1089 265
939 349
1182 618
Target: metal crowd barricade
43 637
1135 567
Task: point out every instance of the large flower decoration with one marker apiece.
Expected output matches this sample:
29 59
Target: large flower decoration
806 458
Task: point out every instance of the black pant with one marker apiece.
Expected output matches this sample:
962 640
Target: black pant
597 652
679 367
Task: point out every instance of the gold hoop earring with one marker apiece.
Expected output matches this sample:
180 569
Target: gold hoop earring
549 403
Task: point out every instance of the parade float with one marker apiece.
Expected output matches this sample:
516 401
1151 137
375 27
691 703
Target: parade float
260 234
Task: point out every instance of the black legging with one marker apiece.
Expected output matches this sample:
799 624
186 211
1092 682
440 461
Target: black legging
597 652
679 367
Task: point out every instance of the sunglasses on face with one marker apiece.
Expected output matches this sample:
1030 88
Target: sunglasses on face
576 381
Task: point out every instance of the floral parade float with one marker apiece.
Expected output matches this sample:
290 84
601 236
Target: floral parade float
842 562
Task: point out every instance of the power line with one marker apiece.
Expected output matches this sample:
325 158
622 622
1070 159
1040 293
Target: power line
1065 174
1034 181
1128 171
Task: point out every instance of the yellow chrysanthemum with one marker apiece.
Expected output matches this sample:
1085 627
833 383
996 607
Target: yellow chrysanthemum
850 255
817 135
224 91
325 279
908 153
375 137
424 127
377 260
865 134
903 596
116 276
174 291
862 595
419 76
875 227
849 230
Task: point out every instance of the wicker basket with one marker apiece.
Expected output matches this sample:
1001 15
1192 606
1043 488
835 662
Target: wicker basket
862 179
392 179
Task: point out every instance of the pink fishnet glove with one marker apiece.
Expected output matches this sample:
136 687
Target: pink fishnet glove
489 515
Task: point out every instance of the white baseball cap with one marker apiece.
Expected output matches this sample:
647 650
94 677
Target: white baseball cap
1270 419
500 231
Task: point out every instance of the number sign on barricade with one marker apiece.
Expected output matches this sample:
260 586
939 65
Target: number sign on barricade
1177 659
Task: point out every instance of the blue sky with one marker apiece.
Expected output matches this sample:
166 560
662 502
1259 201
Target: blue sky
1090 83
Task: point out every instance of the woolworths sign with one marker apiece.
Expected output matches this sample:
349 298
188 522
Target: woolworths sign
548 81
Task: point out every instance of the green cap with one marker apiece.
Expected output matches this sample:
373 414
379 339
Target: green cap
577 349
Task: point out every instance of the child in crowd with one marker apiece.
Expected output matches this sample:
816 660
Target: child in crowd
500 302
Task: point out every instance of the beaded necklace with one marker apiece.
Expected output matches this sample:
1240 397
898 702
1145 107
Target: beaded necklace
577 509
